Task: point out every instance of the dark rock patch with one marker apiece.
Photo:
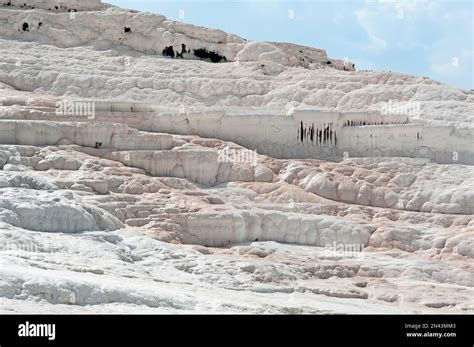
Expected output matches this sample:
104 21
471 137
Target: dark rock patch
213 56
168 52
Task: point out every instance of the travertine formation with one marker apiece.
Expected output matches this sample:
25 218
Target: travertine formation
270 181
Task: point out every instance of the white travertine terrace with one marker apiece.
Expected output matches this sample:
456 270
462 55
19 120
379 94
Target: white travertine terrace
296 134
150 197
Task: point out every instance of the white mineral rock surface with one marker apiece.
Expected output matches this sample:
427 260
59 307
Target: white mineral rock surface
129 181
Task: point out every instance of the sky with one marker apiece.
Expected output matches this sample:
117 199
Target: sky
417 37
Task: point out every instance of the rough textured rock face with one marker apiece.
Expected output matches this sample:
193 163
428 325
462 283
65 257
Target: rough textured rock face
266 182
77 23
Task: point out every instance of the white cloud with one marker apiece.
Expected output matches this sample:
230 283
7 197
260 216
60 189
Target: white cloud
440 33
395 23
452 64
375 43
338 18
451 56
